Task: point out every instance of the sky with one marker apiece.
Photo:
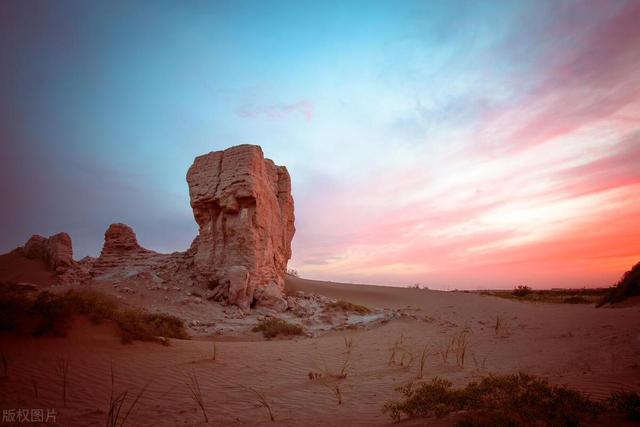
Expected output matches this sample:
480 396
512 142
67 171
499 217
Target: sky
455 144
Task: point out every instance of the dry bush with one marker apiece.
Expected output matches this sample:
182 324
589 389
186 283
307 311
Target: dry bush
627 286
50 313
273 327
626 403
521 291
349 306
509 400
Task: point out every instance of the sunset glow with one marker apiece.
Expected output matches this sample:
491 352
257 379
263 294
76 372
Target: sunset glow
457 146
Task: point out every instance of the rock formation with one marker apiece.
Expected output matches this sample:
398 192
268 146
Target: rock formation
121 251
243 206
57 253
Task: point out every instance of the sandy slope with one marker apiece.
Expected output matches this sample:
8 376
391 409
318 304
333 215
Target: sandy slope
594 350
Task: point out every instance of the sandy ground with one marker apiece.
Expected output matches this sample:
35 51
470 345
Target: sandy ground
593 350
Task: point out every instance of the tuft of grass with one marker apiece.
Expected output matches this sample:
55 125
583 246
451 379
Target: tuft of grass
273 327
262 401
348 343
627 286
5 365
423 360
214 353
626 403
63 372
349 306
502 326
508 400
50 313
196 393
116 404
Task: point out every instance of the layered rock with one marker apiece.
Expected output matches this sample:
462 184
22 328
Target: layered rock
57 253
244 209
121 251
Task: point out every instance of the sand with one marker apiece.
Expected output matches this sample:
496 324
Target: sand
593 350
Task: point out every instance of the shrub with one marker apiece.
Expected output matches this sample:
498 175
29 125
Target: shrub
50 313
627 286
625 402
509 400
349 306
521 291
273 327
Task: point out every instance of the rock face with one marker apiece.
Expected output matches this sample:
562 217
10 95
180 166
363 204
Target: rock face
57 252
121 249
243 206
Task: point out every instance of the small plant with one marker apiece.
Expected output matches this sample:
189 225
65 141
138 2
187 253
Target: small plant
501 326
338 394
273 327
34 384
423 359
116 404
313 375
5 365
262 401
63 371
349 306
509 400
348 343
196 393
521 291
459 345
214 353
625 402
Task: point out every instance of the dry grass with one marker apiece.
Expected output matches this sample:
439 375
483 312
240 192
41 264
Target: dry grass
5 365
196 393
50 313
262 401
557 296
423 360
349 306
214 353
348 343
509 400
501 326
116 404
62 370
273 327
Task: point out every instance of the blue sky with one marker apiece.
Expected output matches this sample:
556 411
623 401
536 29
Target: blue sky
419 135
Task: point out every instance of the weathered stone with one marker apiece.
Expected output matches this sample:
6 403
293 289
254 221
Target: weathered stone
57 253
240 288
121 251
271 296
243 206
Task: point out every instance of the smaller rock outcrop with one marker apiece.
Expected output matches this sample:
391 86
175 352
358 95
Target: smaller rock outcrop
121 250
57 253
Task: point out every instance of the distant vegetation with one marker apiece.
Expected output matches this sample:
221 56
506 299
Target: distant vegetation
627 286
50 314
273 327
349 306
507 400
293 272
561 296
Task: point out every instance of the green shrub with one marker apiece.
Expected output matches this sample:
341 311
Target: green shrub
509 400
273 327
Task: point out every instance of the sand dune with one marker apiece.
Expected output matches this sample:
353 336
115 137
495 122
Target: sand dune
593 350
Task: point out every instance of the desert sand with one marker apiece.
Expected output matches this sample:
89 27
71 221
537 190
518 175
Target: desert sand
593 350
